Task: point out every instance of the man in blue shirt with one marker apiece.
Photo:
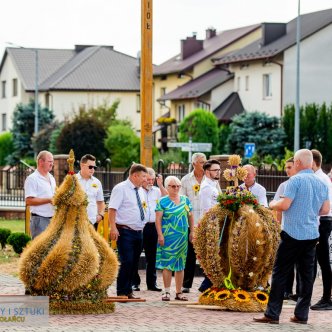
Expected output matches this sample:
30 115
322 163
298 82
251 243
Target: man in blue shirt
305 197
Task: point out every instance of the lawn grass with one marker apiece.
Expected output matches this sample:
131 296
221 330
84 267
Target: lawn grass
16 225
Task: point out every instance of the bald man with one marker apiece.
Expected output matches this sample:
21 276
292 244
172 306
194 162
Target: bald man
254 187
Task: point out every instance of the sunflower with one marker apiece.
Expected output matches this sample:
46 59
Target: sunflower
196 188
241 296
222 295
261 297
206 293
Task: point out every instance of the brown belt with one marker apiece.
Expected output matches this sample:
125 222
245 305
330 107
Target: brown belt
126 227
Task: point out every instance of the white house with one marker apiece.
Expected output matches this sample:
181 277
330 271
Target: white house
86 76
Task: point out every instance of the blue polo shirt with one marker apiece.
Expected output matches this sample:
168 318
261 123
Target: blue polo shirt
308 194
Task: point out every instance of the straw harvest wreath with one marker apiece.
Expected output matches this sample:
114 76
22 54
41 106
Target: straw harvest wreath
236 242
70 262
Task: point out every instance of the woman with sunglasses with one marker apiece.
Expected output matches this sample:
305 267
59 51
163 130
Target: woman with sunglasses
173 214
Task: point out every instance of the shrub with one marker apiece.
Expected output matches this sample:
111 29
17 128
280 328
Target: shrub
18 241
4 234
6 147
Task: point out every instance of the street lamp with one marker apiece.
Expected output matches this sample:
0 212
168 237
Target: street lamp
297 100
36 129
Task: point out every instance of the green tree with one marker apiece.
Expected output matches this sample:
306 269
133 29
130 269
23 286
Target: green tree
84 135
224 132
23 128
258 128
42 140
123 145
202 127
6 147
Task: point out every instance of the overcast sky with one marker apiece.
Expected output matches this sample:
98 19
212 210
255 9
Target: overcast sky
64 23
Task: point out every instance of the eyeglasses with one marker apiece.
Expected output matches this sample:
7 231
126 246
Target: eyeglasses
173 186
92 167
215 170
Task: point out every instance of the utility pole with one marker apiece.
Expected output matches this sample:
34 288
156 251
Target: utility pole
297 101
146 82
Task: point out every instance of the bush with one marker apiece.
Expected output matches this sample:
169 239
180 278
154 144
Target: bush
6 147
18 241
42 140
4 234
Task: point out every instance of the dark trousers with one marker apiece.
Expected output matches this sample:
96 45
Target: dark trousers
129 249
150 239
290 281
323 255
189 270
291 251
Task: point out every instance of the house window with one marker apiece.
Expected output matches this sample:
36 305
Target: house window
267 88
238 82
247 83
3 89
14 87
181 112
4 122
138 103
162 93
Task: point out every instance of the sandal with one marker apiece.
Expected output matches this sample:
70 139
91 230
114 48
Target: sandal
166 296
181 297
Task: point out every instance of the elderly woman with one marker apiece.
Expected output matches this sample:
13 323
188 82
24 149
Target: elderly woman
173 213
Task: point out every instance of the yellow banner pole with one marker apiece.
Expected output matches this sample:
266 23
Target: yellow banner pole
146 82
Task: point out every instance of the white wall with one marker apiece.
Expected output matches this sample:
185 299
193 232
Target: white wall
252 98
220 93
315 69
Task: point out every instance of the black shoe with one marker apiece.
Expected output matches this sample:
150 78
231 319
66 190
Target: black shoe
154 289
135 288
293 297
287 295
132 296
185 290
322 305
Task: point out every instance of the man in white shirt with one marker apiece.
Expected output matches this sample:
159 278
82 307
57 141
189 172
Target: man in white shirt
190 186
152 195
126 220
254 187
208 198
93 188
322 248
39 188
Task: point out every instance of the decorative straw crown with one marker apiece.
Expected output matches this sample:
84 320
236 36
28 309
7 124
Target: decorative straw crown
71 161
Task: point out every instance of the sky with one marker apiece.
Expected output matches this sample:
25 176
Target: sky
65 23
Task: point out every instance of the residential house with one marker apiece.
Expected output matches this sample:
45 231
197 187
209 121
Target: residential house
86 76
265 70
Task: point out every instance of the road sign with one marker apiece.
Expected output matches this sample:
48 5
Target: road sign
177 144
249 150
202 147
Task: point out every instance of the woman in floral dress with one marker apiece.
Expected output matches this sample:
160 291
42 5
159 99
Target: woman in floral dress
173 214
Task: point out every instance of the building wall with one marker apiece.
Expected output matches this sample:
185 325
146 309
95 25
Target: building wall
220 93
252 96
64 103
315 69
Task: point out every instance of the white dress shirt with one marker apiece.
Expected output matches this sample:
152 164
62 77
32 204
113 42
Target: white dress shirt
37 185
328 182
151 197
259 191
94 190
208 194
123 200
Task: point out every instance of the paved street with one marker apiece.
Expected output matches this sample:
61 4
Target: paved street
155 315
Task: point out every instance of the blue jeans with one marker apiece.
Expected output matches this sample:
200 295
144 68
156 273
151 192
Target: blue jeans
129 249
38 224
291 251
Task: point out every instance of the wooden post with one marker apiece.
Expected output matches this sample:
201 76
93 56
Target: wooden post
146 82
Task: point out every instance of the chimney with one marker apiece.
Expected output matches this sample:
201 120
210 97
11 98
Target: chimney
210 33
190 46
272 31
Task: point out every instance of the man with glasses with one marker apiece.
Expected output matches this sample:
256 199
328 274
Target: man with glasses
208 194
93 188
190 187
39 188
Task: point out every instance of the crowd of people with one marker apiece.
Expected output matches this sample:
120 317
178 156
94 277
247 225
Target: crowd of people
161 219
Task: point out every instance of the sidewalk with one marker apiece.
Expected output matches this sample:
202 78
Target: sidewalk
155 315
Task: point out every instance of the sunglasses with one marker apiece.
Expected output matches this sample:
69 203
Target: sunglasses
174 186
215 170
92 167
